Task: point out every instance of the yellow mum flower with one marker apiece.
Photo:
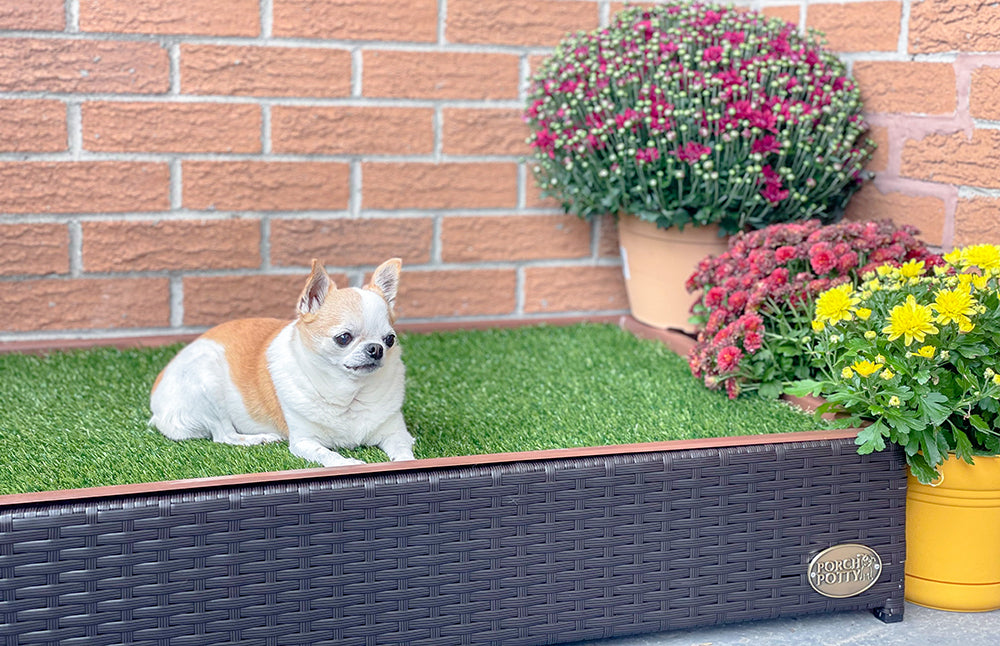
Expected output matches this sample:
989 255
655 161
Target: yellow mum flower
894 401
863 313
866 368
912 269
927 351
846 373
887 374
984 256
980 282
996 379
953 257
884 270
836 304
870 334
954 305
818 326
911 320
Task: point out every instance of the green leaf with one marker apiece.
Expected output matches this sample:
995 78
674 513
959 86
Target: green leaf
935 411
870 438
804 387
963 445
921 470
770 389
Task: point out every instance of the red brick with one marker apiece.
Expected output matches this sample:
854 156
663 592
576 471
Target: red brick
906 87
265 186
171 127
608 245
533 196
412 20
344 130
438 186
85 303
574 289
56 65
954 158
489 131
351 242
859 26
984 97
977 221
475 292
880 157
115 246
205 17
926 213
83 187
265 71
954 25
210 300
513 238
28 125
788 13
518 22
38 15
33 249
439 75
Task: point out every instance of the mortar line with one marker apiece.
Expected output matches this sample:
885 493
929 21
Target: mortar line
266 18
72 8
75 248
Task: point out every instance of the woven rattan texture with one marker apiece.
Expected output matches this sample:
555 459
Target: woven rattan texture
524 553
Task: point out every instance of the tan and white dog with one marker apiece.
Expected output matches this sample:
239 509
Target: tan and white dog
332 378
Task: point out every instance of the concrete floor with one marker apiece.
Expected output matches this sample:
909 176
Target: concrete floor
920 627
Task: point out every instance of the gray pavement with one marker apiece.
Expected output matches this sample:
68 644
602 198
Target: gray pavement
920 627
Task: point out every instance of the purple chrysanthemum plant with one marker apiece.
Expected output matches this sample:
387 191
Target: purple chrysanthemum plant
691 113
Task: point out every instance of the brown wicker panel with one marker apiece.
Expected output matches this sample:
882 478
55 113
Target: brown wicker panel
512 554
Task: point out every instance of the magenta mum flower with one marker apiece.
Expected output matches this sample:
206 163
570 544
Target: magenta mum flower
692 151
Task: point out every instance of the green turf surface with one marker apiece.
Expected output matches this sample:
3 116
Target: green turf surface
78 419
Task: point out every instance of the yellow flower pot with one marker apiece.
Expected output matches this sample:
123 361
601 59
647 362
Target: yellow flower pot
657 262
953 538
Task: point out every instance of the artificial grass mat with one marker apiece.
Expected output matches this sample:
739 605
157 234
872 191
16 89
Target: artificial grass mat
78 419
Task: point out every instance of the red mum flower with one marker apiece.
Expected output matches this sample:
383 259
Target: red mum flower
847 262
737 300
714 297
752 341
786 253
728 358
822 259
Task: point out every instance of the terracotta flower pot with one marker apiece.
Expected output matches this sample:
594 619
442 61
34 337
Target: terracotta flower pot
657 262
953 538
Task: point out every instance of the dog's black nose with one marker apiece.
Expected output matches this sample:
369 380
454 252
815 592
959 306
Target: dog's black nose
374 350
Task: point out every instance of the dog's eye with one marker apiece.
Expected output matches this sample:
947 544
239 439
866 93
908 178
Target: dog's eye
389 340
343 338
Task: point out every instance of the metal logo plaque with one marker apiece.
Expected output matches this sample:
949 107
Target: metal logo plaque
844 570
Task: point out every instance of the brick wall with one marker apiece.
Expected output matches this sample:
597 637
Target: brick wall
169 164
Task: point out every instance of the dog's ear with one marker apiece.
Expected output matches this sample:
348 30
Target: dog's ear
314 293
385 280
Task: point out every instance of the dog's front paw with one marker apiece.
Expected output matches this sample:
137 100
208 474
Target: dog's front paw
402 456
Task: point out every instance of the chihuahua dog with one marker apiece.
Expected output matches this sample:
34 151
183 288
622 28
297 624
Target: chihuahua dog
332 378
